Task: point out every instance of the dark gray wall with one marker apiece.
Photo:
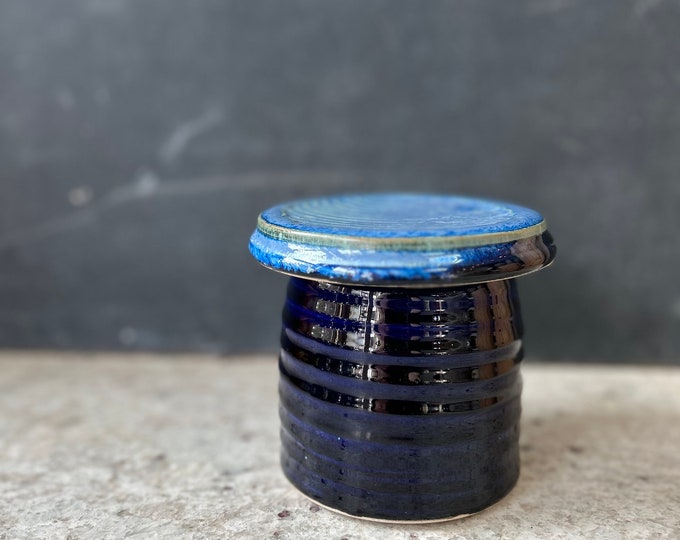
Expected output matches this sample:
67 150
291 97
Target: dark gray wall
140 138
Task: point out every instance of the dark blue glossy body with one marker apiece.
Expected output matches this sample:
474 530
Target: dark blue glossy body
401 404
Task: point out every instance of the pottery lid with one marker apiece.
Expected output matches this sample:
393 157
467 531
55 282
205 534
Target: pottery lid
402 239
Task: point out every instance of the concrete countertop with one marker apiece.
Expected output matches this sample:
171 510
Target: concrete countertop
150 446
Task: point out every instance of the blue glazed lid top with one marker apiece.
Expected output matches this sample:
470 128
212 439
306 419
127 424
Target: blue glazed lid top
402 239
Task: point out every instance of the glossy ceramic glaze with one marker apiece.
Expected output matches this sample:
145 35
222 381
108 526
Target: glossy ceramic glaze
402 239
401 344
399 405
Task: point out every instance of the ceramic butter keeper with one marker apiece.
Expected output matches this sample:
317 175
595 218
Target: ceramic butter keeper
400 349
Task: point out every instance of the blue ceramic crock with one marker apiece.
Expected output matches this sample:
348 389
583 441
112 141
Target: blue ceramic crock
400 349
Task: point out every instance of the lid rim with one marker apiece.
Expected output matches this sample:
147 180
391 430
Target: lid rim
398 243
406 269
402 240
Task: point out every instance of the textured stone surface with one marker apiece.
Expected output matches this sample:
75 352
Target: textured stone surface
187 447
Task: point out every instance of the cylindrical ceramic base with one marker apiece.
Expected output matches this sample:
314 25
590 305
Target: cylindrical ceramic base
401 404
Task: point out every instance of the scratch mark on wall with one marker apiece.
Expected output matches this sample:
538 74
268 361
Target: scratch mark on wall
148 185
86 212
80 196
642 7
675 308
542 7
183 134
52 227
